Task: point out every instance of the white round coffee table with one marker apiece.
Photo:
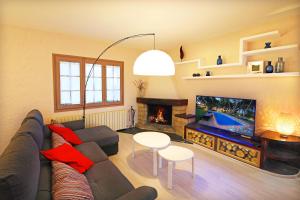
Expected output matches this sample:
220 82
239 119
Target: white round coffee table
153 140
175 154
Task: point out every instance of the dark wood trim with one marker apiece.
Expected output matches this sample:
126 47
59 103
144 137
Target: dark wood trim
173 102
56 58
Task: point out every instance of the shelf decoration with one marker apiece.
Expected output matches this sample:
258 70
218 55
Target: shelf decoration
243 54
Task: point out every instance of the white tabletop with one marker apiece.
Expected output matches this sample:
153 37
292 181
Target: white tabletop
176 153
154 140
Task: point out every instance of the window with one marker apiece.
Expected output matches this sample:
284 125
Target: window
104 88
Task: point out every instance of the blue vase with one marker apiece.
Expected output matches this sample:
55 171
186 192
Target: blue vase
269 67
219 60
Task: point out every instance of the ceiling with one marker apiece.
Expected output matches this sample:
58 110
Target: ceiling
174 21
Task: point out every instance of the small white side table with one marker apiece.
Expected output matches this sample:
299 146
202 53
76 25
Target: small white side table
175 154
153 140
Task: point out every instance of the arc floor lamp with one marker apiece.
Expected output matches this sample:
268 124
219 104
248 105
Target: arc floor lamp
149 63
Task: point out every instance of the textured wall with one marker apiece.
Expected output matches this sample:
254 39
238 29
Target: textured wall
273 95
26 73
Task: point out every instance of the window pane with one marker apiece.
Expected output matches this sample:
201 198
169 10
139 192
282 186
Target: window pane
88 68
110 96
90 84
75 69
89 97
116 83
64 83
109 83
65 98
117 95
75 97
98 83
116 71
75 83
64 68
109 71
98 96
97 71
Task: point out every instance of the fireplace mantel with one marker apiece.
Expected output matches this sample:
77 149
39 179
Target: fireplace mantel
173 102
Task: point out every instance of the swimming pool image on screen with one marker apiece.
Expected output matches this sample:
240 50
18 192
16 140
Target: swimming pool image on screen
235 115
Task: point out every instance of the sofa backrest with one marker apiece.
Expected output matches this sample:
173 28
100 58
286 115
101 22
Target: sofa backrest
33 128
36 115
20 169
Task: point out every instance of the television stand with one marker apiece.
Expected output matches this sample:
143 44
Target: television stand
226 143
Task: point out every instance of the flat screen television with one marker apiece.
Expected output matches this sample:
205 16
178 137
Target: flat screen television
231 114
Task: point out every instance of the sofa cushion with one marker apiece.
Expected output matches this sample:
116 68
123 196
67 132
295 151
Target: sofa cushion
67 154
57 140
45 181
69 184
102 135
66 133
20 169
92 151
33 128
140 193
36 115
74 125
107 182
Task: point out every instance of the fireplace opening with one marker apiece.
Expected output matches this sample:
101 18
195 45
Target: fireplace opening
160 114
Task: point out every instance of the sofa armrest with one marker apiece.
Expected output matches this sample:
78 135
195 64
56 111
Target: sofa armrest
140 193
75 125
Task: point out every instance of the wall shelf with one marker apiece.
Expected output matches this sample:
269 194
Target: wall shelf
262 75
243 54
260 36
189 61
221 66
273 49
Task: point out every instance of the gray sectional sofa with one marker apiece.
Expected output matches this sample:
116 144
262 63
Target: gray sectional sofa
26 175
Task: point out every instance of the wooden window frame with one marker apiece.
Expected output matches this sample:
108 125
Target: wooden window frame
58 107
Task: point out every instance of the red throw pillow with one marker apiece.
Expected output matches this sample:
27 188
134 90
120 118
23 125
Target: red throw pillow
67 154
66 133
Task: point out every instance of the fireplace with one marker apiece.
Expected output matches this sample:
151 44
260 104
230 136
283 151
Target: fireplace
160 114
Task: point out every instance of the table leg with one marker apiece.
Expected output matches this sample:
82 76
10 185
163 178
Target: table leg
159 161
193 167
133 145
155 162
170 174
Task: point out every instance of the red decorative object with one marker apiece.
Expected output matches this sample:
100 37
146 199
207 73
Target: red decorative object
67 154
66 133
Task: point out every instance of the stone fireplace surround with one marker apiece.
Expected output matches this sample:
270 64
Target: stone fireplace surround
179 117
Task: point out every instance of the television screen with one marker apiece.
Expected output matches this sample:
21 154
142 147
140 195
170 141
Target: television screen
230 114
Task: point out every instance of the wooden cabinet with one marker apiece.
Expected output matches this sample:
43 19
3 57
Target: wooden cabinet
201 138
236 147
239 152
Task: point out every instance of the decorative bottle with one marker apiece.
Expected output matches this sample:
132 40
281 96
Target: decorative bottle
269 67
279 67
219 60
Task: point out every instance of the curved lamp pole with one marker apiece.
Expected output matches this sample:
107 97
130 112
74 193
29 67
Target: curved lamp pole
107 48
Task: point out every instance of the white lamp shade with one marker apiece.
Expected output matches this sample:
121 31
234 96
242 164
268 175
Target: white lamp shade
154 63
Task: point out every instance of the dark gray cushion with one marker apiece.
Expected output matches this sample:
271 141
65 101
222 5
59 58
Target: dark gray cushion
141 193
44 195
20 169
45 180
102 135
107 182
36 115
92 151
74 125
47 132
33 128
